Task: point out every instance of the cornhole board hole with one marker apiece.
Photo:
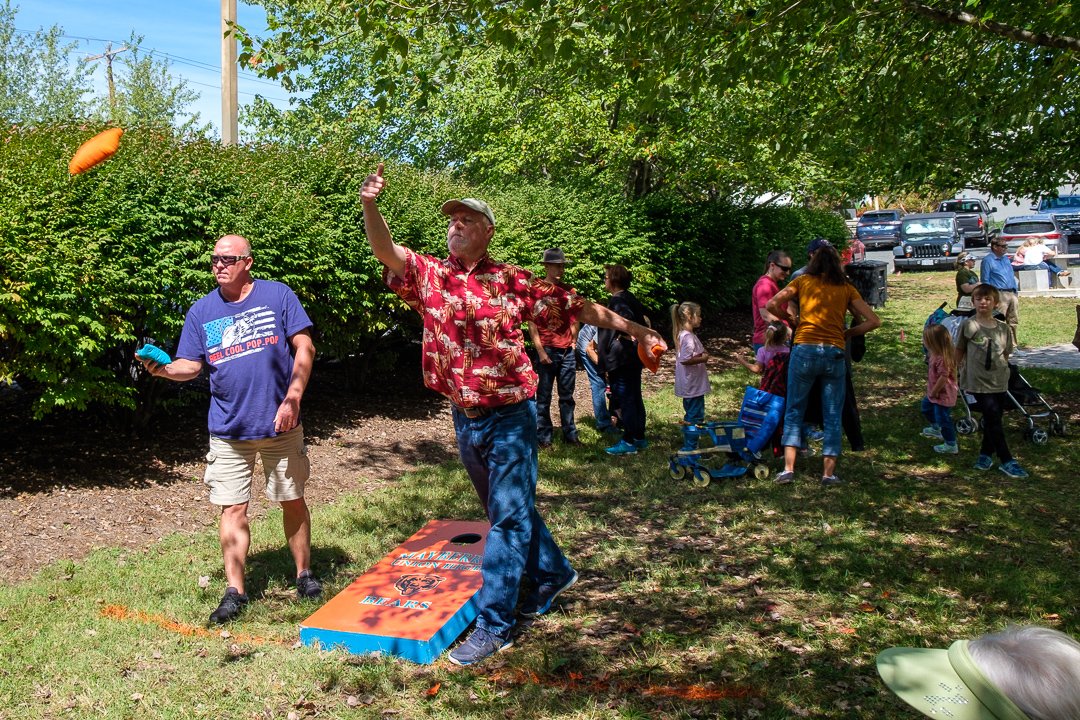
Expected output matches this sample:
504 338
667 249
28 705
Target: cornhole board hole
413 603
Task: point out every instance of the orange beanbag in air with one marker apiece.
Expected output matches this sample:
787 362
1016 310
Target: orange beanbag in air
650 358
95 150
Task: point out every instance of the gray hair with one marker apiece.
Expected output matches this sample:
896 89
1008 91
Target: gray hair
1035 667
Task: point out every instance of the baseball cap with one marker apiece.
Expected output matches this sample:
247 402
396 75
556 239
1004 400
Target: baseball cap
945 683
479 206
554 256
816 244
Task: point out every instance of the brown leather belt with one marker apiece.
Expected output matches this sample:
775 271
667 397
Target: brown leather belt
474 412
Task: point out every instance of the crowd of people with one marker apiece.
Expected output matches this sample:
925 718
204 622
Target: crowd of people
254 338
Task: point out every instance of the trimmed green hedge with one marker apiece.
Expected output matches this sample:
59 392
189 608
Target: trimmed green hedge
96 264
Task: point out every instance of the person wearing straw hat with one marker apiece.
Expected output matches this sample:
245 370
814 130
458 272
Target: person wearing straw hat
1020 673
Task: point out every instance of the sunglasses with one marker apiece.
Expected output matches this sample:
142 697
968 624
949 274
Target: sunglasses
785 268
227 260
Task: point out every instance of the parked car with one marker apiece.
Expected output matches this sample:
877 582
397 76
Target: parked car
974 217
879 228
1065 210
928 241
1017 230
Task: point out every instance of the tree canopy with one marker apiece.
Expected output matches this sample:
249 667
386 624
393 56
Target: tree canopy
812 99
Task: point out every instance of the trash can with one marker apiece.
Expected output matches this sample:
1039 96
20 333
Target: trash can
870 278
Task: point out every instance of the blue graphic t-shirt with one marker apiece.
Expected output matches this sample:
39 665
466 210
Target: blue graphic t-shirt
246 346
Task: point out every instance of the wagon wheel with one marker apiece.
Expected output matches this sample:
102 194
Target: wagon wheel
761 472
702 478
678 471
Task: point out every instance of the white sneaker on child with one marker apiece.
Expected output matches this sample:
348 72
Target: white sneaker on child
933 432
947 448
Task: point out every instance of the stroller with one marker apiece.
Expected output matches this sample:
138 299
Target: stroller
1024 398
741 442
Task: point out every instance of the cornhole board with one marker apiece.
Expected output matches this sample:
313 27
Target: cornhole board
413 603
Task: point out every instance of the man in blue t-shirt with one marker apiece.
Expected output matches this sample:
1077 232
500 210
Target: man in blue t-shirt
255 338
997 270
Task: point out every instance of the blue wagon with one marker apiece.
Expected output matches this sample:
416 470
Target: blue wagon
741 443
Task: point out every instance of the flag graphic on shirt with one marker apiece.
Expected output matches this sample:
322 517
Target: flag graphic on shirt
235 336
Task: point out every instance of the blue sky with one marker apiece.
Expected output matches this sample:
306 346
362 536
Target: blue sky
186 33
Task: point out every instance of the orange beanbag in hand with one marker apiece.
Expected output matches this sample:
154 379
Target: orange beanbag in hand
97 149
650 358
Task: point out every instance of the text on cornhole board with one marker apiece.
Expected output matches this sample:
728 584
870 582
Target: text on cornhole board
414 602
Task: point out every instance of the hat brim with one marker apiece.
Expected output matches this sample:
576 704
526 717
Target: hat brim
928 680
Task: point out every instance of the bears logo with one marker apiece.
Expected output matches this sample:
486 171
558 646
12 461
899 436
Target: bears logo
411 584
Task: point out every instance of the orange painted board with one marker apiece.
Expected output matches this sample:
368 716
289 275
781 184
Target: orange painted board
414 602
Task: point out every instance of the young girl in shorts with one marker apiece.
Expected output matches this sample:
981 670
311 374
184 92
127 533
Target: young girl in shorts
691 375
941 388
982 352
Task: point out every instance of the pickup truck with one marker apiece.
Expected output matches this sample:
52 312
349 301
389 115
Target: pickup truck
1065 209
973 215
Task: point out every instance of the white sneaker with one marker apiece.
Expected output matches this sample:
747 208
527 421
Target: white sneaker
947 448
933 432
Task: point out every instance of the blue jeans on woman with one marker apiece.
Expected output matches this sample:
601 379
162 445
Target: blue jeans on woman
626 391
499 453
808 363
598 388
562 370
940 416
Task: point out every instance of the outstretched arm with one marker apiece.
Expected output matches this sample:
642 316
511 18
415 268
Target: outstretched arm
383 246
601 316
178 370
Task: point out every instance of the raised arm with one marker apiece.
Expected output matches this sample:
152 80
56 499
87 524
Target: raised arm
601 316
383 246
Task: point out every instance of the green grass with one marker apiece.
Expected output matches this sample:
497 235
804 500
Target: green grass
741 599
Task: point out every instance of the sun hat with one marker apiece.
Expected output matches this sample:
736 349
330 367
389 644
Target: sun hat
816 244
945 683
554 256
479 206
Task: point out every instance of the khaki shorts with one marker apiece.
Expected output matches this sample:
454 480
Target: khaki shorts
230 465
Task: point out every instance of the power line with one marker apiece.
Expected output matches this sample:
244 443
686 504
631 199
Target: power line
175 58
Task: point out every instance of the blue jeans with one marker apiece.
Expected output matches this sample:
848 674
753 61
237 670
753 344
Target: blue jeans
598 388
626 391
808 363
562 370
940 416
693 414
499 453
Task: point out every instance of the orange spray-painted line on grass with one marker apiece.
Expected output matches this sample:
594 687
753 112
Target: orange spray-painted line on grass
575 681
119 612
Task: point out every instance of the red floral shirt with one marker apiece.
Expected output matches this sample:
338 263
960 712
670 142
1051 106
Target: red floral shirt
473 346
558 331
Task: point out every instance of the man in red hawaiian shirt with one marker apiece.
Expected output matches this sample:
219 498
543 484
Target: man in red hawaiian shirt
474 354
554 342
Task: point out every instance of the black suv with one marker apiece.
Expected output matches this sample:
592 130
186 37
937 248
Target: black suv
974 217
928 241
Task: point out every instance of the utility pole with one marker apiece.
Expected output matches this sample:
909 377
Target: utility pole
228 73
109 54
